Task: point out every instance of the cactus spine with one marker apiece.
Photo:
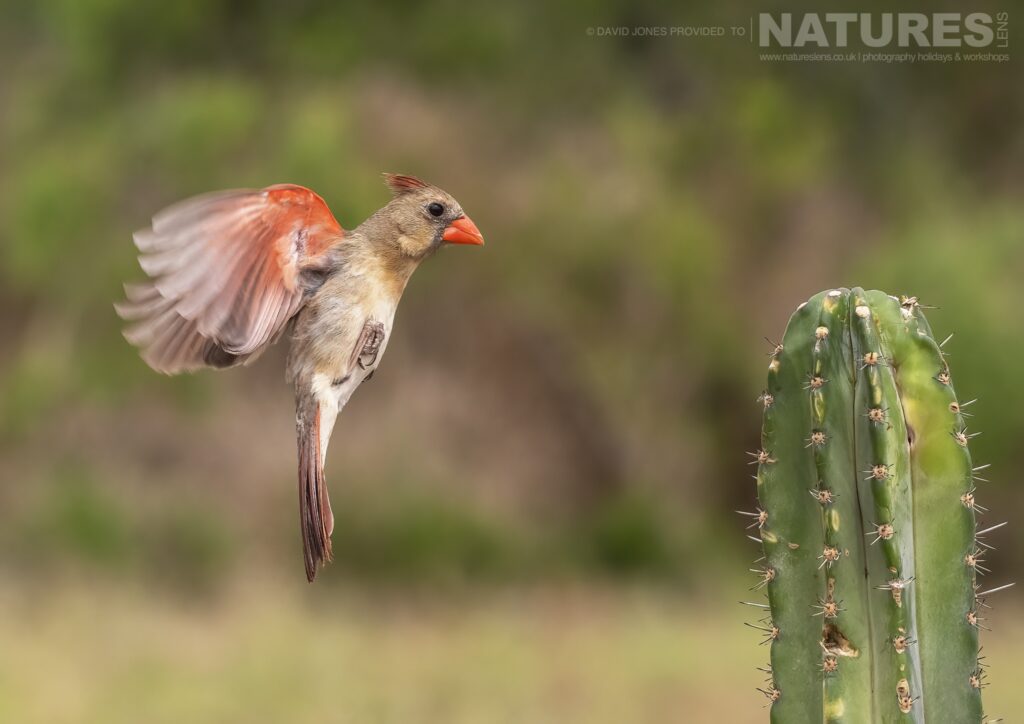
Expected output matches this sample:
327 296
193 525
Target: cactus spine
867 520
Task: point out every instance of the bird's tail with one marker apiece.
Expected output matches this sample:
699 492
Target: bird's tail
314 504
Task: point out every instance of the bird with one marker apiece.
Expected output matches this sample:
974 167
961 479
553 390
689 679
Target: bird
231 272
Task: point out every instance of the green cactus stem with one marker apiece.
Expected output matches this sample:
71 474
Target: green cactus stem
867 520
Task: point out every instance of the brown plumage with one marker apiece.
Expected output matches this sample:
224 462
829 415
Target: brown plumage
229 271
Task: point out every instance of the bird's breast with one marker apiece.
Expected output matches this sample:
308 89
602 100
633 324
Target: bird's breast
334 323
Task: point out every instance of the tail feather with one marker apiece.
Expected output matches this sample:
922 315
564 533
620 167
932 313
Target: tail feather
314 504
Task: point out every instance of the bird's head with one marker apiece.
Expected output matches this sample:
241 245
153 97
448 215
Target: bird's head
426 217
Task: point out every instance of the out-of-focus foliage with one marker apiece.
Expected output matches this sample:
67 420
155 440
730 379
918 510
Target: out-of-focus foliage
564 410
572 400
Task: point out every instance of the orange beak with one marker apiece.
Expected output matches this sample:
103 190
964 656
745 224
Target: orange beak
463 231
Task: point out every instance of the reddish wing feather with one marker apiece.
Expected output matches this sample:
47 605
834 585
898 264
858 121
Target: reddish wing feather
225 274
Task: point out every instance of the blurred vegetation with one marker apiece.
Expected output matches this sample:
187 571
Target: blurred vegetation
76 524
563 655
564 412
572 401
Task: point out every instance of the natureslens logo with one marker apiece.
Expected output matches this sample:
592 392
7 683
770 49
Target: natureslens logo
880 30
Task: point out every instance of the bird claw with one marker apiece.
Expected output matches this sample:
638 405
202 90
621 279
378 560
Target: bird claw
371 339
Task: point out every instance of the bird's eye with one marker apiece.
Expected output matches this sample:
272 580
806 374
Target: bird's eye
435 209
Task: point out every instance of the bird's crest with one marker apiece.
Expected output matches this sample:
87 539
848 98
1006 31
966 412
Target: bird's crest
402 184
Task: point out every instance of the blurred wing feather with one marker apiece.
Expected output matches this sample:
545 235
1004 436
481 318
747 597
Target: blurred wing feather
225 274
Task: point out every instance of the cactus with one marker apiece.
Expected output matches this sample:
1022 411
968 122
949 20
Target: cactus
867 520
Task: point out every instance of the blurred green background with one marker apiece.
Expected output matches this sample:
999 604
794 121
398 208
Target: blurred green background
535 494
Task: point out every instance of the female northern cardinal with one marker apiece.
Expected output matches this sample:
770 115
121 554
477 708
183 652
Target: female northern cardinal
229 271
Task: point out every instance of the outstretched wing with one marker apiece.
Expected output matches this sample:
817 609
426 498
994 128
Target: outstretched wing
226 272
